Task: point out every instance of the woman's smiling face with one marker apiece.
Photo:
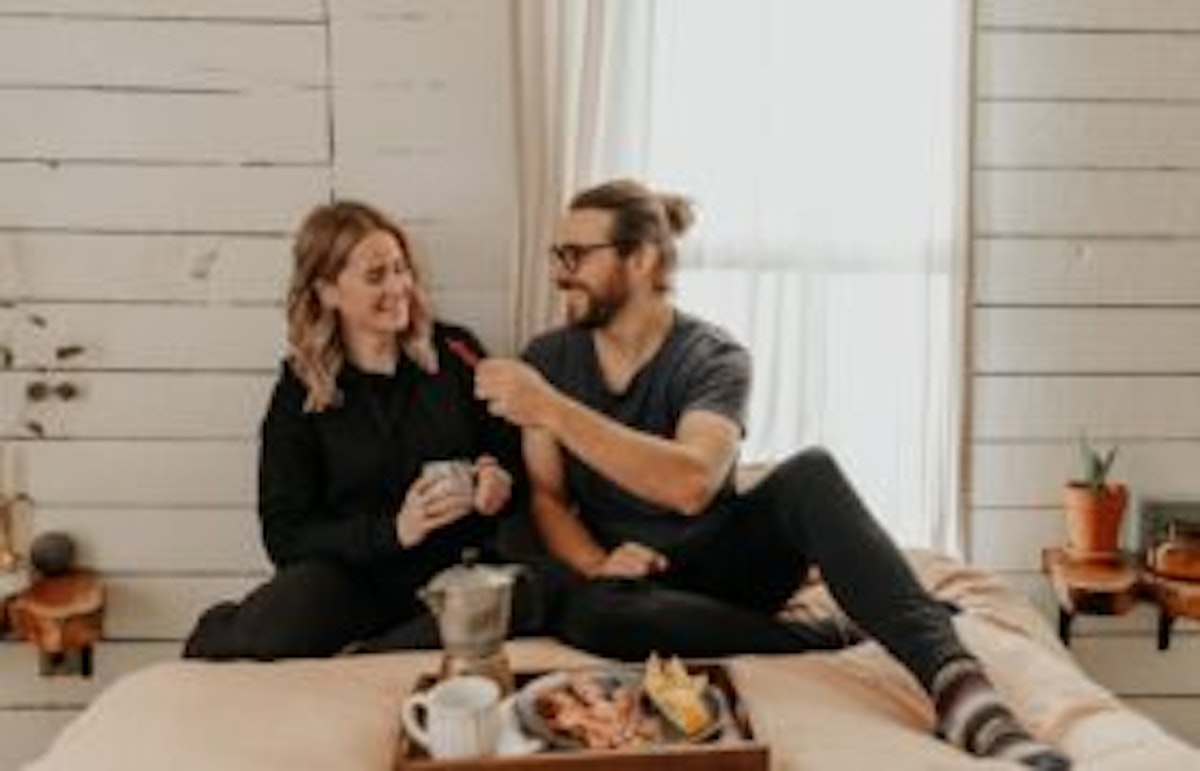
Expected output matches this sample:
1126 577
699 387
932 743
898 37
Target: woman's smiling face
373 293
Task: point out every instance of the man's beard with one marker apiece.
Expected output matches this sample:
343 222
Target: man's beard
602 304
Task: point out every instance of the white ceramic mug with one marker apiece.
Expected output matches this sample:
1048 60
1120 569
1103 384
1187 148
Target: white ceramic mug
457 476
461 717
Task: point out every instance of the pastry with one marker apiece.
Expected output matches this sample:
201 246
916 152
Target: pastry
677 695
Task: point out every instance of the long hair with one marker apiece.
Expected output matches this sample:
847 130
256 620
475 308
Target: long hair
321 250
642 216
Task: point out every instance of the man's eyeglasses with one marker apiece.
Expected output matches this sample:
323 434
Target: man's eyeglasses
569 256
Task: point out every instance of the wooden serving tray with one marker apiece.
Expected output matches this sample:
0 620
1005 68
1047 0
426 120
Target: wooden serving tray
736 750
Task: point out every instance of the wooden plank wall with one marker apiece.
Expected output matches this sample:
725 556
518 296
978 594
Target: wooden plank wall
155 154
1086 292
154 157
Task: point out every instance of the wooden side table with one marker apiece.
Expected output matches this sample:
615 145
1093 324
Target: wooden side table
1091 588
1112 588
1176 599
63 617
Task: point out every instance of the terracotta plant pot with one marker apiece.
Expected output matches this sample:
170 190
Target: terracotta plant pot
1094 520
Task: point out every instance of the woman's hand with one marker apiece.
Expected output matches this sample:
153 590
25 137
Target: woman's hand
428 505
630 560
493 485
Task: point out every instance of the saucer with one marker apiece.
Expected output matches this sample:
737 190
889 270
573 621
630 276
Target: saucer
513 740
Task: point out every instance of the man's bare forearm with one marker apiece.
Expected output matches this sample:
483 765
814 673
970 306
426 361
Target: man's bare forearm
662 471
565 536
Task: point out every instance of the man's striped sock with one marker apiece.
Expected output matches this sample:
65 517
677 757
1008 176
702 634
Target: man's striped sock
972 716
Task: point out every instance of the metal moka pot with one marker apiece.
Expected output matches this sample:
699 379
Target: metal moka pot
473 605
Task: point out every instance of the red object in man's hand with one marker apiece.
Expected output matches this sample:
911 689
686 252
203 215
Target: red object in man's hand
464 352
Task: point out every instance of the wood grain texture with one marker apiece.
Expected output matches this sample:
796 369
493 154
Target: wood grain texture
125 405
113 660
1087 340
165 608
230 200
276 127
1061 135
156 158
185 56
144 267
142 473
1071 66
269 10
1060 407
161 540
1023 474
1086 271
1087 203
1155 15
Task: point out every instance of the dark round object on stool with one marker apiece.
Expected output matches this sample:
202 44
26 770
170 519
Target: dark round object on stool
52 553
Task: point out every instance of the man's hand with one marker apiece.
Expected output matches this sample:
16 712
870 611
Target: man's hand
516 392
630 560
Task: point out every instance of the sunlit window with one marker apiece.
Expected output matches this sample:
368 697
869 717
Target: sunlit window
821 142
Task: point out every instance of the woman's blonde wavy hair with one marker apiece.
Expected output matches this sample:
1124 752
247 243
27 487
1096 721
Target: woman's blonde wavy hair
321 250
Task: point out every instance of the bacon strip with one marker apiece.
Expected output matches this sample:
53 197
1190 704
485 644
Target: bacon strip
587 710
464 352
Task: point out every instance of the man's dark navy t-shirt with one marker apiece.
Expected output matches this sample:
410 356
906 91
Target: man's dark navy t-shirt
698 367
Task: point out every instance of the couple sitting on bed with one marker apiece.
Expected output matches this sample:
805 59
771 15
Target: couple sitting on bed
630 420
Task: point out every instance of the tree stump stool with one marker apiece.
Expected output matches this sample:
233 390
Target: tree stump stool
1176 599
63 617
1091 588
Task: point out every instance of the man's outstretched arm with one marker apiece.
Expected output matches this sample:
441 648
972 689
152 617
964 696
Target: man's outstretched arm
681 473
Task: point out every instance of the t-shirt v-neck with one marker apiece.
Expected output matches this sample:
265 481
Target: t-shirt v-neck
643 373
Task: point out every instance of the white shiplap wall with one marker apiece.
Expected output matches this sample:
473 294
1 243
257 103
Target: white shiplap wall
1086 293
154 157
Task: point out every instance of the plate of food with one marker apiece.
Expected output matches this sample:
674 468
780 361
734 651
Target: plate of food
621 707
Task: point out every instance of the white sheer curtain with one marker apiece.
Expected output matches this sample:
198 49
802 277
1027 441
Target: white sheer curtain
823 143
581 97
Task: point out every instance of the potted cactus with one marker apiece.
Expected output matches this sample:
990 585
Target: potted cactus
1095 507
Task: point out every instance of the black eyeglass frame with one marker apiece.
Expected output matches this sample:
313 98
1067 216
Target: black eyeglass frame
571 256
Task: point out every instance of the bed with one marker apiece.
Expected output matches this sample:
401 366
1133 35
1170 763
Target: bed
853 709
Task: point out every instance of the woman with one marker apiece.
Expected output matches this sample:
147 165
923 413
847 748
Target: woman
372 390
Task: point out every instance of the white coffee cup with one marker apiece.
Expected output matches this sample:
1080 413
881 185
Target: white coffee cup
461 717
455 476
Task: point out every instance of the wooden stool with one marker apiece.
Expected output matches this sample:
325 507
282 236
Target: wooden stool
62 616
1176 599
1092 588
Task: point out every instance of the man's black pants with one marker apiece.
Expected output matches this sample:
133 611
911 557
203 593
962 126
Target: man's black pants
723 597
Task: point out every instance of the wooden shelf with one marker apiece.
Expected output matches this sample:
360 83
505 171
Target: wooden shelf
1111 587
1176 599
63 617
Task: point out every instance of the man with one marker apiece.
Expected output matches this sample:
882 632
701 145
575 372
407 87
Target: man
631 419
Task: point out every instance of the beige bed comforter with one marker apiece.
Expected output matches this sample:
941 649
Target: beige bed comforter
855 709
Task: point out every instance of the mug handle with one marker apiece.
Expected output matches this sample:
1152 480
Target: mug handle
408 716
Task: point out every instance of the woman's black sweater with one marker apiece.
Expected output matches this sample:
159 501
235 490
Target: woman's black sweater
331 483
